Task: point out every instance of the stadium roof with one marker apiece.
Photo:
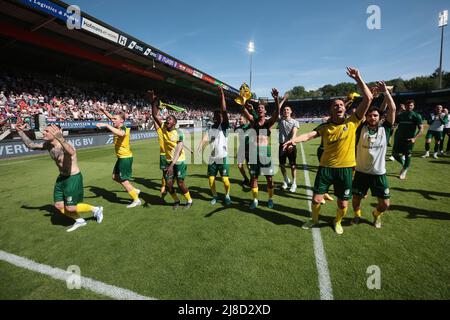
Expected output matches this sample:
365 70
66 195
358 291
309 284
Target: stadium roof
45 23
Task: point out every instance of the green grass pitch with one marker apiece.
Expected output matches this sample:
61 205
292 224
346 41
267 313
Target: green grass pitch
222 253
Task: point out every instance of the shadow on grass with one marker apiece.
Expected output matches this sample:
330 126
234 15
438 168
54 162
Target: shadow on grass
243 205
416 213
440 162
56 217
154 184
424 193
109 196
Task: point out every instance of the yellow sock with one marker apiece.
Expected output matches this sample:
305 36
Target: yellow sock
227 185
377 213
133 194
255 193
270 192
315 212
84 207
212 185
358 213
175 197
187 196
340 213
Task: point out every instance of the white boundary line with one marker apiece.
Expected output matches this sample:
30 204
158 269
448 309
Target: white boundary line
326 291
63 275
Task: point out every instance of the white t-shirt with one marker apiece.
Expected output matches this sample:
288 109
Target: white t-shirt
371 150
437 124
218 139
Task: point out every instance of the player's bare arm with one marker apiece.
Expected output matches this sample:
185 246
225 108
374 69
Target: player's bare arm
388 101
301 138
223 106
58 135
116 131
245 111
276 115
102 109
285 97
176 155
27 141
155 104
367 94
202 142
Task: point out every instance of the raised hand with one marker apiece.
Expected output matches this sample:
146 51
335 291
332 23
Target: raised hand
55 132
353 73
20 126
286 96
382 87
275 93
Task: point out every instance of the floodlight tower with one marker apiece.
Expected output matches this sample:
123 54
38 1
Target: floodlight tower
443 21
251 49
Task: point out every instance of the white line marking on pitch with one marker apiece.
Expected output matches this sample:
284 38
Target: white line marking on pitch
59 274
326 291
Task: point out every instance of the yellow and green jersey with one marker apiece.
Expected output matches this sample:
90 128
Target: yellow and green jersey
162 151
339 143
122 144
171 139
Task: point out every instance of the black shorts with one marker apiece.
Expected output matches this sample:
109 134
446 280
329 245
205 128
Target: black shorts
285 154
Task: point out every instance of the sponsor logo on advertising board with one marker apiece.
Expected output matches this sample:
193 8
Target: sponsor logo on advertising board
99 30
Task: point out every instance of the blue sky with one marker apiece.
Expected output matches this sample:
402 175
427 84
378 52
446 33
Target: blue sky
297 42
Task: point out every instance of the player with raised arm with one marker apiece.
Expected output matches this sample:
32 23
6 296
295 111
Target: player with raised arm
122 172
68 191
243 149
263 166
217 137
173 146
406 135
437 121
338 158
287 127
372 142
162 157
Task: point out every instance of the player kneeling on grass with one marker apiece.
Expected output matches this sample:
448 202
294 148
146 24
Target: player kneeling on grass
372 142
218 140
68 192
173 146
122 172
338 158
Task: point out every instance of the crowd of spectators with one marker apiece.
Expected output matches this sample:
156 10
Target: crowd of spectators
22 96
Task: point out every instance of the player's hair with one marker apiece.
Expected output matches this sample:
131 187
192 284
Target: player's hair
410 101
334 100
372 109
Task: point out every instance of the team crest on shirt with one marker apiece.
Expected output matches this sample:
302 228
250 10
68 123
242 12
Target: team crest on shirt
386 191
69 199
345 128
347 192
